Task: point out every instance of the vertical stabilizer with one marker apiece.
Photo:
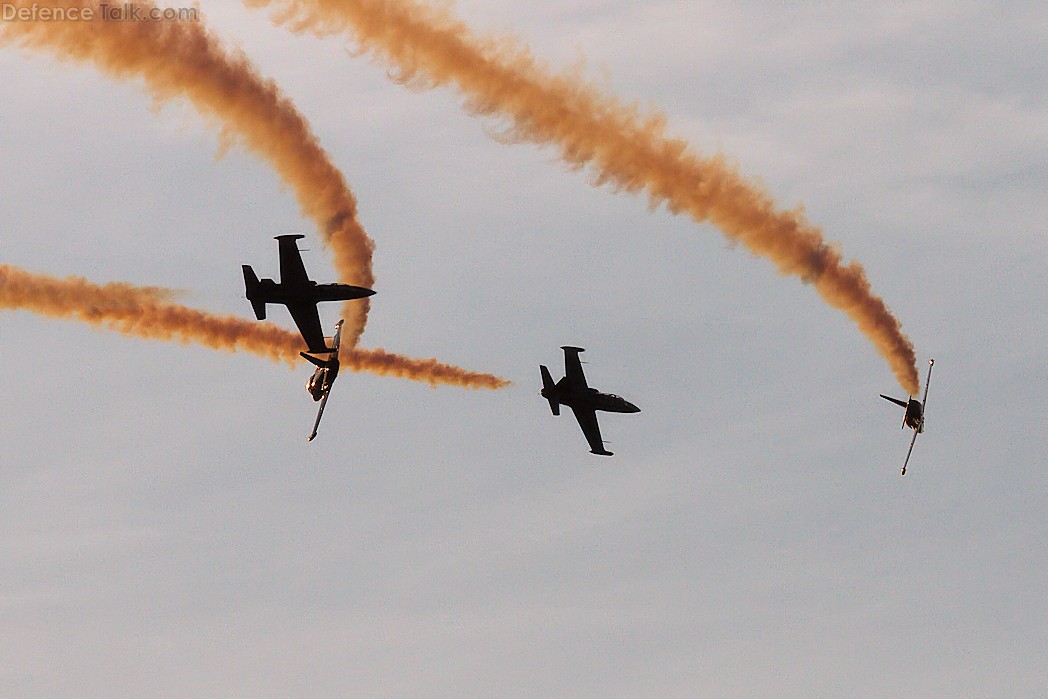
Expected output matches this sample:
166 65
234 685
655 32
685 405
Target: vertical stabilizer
251 285
549 390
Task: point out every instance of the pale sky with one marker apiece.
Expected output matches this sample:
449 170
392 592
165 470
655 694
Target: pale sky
168 531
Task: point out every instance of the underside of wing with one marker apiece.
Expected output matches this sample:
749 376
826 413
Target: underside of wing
588 422
927 384
320 414
292 271
336 341
910 451
307 318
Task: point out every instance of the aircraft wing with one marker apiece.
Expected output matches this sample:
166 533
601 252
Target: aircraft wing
588 422
320 414
336 341
573 368
307 318
292 271
927 384
912 442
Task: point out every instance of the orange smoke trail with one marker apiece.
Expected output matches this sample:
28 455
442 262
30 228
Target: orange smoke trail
625 147
185 59
143 312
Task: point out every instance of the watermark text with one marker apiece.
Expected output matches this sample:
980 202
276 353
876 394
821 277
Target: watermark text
105 12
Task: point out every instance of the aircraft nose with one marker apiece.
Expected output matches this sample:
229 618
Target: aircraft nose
632 407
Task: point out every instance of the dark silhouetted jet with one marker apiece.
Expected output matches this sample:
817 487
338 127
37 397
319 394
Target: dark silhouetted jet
298 292
584 401
320 383
914 415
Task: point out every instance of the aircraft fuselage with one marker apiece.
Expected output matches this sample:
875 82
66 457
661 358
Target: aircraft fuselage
590 399
914 415
269 291
318 383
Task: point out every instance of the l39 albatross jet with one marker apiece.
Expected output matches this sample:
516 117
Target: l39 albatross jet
574 392
914 415
298 292
320 383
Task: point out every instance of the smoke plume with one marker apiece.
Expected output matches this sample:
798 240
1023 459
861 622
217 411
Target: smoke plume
146 312
185 59
624 147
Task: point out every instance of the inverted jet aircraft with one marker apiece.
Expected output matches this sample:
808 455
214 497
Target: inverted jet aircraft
298 292
574 392
914 415
320 383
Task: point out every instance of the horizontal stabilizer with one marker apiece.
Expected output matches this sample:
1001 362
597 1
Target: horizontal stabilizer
316 361
602 452
894 400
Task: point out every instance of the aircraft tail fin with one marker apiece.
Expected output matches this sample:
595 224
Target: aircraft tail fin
548 388
251 285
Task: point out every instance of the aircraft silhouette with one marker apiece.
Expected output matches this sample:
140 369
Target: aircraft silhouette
914 415
320 383
574 392
298 292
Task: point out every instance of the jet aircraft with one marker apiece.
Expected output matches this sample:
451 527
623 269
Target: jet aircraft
914 415
574 392
320 383
298 292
